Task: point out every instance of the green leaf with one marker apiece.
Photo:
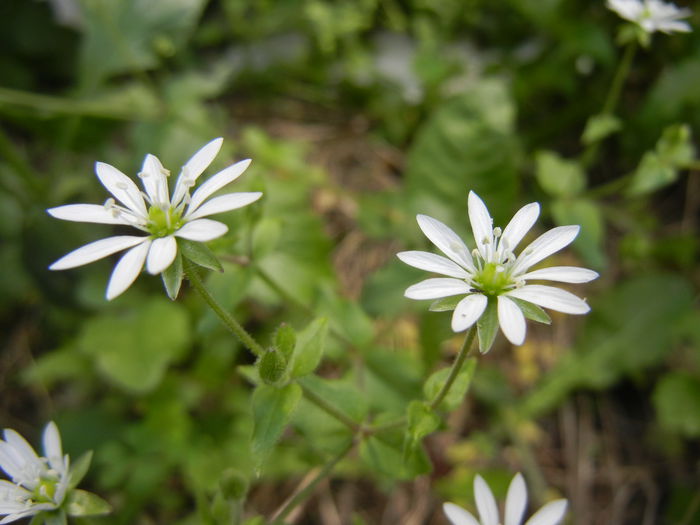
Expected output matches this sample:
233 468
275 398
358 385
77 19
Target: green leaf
84 503
487 326
532 311
459 388
199 254
629 329
285 340
422 421
172 277
129 35
387 455
272 409
453 152
309 347
445 304
659 168
79 468
599 127
676 399
134 350
557 176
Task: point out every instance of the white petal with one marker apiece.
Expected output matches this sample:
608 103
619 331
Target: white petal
155 181
516 501
468 311
85 213
228 202
202 158
437 288
447 240
122 187
10 462
457 515
485 502
216 182
432 263
482 225
52 447
161 255
562 274
512 320
96 250
127 269
544 246
551 514
518 226
550 297
202 230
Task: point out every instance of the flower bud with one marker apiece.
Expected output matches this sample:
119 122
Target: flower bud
272 366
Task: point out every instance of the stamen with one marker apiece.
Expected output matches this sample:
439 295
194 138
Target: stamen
497 232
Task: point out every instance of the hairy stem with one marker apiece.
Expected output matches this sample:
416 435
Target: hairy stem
456 367
225 317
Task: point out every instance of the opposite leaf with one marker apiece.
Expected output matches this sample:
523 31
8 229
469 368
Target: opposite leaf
272 409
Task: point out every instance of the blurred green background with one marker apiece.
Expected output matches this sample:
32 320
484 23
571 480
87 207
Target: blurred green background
358 114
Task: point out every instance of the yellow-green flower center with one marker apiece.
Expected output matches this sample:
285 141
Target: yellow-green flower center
45 491
162 223
493 279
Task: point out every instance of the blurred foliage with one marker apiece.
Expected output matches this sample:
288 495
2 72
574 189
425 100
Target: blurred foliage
358 115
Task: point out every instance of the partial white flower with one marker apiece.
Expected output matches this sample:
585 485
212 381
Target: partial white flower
516 502
652 15
38 483
161 216
492 275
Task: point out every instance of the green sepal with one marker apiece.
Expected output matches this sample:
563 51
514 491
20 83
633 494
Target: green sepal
285 340
54 517
172 277
532 311
487 326
445 304
84 503
199 254
272 367
459 388
79 469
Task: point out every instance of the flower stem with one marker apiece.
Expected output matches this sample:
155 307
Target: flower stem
225 317
328 408
623 70
304 492
456 367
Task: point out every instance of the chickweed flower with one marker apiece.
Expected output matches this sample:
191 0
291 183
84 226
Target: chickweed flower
652 15
38 483
490 284
516 502
161 216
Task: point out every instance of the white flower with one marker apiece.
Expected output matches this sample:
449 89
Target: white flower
38 483
652 15
516 501
493 274
159 215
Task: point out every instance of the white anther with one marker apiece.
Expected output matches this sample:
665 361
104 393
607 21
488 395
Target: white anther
485 240
475 253
497 232
500 269
143 174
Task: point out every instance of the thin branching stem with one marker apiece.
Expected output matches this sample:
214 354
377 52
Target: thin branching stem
225 317
456 367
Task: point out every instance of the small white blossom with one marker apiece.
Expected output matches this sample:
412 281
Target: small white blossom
516 502
652 15
161 216
38 483
493 272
